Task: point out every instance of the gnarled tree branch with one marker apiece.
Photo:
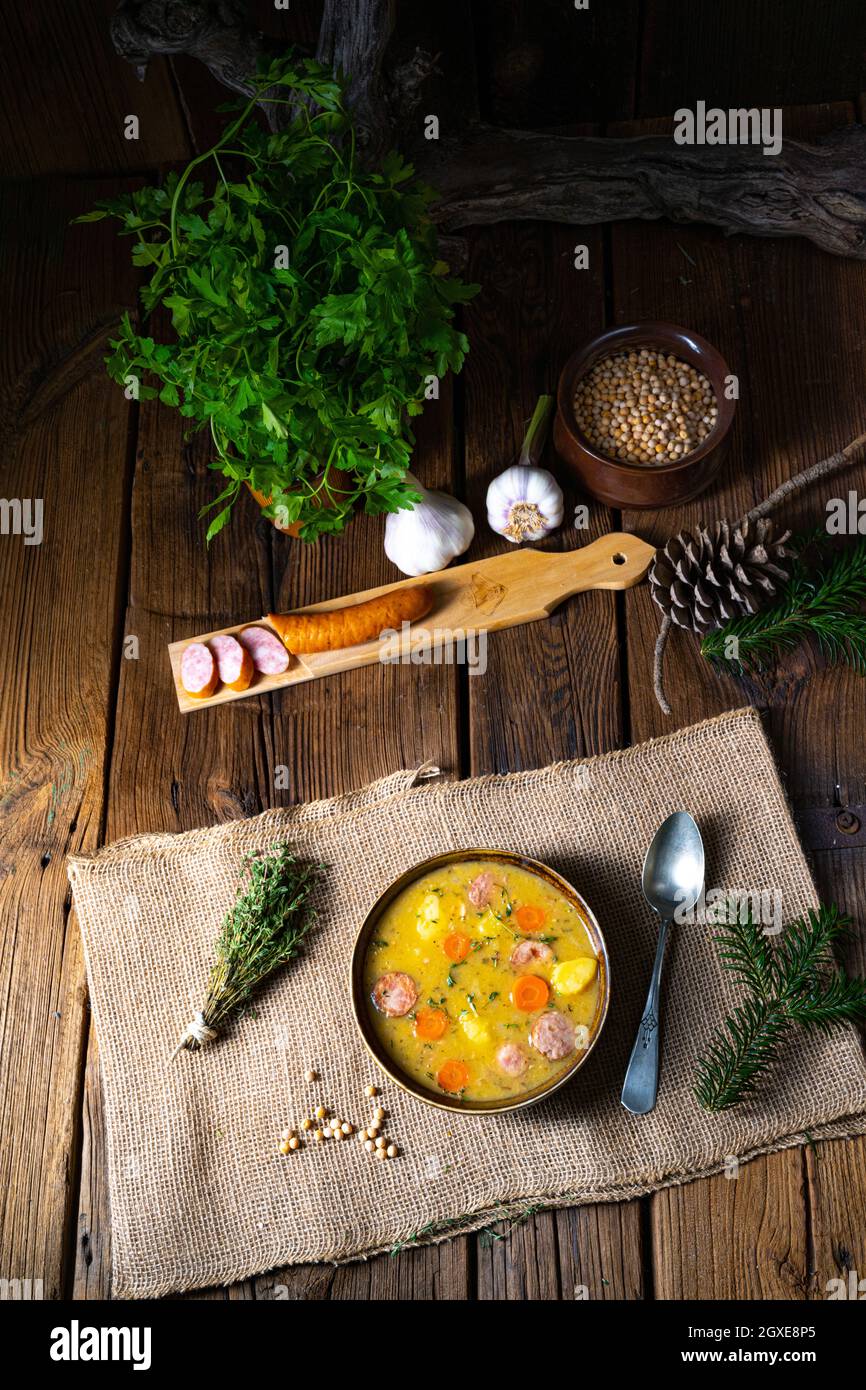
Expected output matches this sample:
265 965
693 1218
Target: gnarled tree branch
815 191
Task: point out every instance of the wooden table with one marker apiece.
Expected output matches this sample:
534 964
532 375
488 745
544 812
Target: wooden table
93 746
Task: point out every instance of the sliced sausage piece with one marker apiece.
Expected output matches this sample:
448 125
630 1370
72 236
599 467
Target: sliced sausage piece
512 1060
198 671
552 1034
234 662
481 890
529 953
267 651
395 994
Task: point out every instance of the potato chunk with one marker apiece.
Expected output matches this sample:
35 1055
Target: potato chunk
428 916
572 976
474 1029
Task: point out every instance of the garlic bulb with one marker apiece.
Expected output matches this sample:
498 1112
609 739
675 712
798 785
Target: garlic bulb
525 502
429 536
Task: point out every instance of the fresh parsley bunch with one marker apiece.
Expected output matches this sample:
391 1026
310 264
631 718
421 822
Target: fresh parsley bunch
308 305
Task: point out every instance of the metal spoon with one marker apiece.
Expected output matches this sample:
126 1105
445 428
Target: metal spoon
673 877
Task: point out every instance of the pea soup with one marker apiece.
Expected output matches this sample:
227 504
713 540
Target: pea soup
482 981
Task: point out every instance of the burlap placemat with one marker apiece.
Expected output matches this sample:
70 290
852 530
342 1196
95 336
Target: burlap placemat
199 1194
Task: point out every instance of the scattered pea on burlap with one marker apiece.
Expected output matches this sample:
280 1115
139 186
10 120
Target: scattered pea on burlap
199 1192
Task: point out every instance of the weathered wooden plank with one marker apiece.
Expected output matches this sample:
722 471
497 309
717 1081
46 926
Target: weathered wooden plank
359 726
836 1169
538 700
602 1252
749 52
739 1237
753 300
542 62
64 439
65 96
166 774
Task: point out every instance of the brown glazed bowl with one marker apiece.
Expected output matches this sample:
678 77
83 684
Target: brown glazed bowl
639 485
360 1004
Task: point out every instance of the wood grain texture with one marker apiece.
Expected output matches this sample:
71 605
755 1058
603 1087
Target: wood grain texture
749 52
778 318
736 1237
545 63
172 774
539 698
66 94
361 725
59 631
836 1169
788 317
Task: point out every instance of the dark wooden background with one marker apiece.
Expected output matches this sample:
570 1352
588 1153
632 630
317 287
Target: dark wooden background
91 744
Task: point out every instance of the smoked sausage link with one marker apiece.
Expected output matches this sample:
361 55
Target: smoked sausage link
355 622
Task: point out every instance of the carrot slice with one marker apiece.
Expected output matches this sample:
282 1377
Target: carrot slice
456 946
431 1024
530 993
530 918
453 1076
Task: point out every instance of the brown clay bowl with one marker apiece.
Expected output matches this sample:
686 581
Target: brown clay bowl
641 486
360 1001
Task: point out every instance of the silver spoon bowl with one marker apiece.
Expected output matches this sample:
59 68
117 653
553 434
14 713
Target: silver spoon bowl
673 878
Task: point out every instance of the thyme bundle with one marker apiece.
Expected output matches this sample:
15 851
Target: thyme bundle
261 931
796 981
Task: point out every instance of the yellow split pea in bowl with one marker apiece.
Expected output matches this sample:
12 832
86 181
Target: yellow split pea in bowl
480 981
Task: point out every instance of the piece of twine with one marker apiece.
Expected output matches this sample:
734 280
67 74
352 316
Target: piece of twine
822 469
197 1031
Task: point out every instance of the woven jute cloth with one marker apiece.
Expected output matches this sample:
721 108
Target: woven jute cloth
200 1195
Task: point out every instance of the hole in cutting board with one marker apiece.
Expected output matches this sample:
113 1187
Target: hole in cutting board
618 558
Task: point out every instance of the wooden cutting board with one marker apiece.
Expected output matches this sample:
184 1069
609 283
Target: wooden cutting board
519 586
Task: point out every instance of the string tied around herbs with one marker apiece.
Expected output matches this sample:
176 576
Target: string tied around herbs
822 469
197 1031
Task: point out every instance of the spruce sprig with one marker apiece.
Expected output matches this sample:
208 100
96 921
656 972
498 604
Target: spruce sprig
262 930
796 981
822 600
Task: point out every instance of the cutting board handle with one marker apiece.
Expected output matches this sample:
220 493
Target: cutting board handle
615 561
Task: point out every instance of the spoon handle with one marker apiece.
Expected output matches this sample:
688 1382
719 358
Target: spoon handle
642 1075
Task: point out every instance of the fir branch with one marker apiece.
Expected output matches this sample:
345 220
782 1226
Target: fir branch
261 931
745 950
732 1064
798 981
823 601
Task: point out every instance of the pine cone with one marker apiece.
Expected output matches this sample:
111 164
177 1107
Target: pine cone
701 582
